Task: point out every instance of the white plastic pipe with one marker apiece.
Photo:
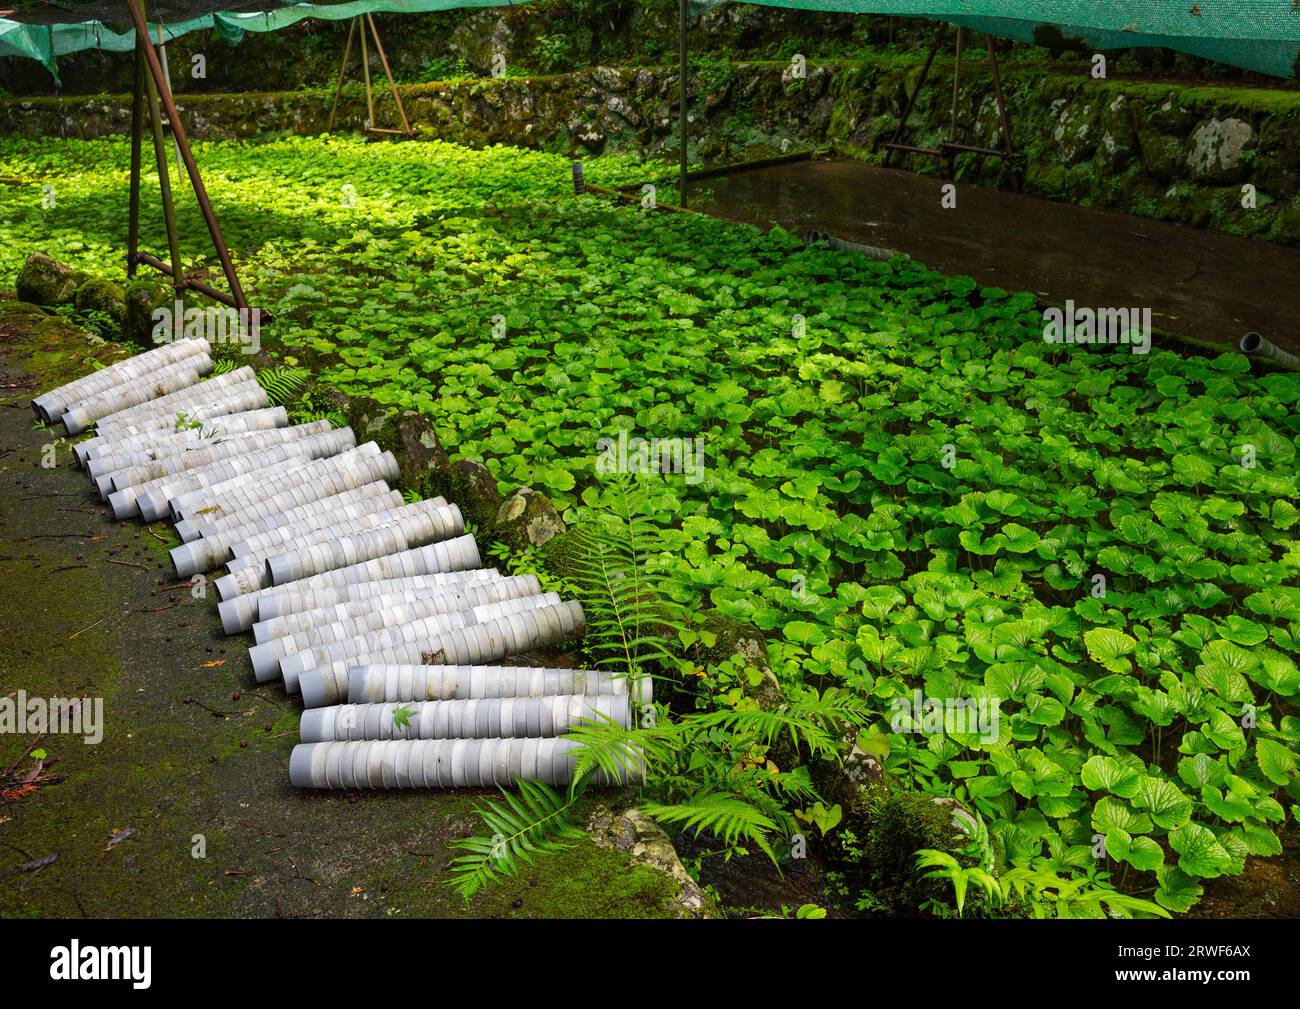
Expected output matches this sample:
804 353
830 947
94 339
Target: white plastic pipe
240 613
318 479
182 401
441 524
437 763
150 498
164 438
373 607
203 392
486 718
373 684
165 453
476 644
259 547
50 406
164 382
218 521
289 656
241 398
207 552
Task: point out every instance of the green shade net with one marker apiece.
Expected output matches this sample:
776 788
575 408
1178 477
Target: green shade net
1259 35
45 31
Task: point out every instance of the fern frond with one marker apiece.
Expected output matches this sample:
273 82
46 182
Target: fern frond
532 822
722 814
283 384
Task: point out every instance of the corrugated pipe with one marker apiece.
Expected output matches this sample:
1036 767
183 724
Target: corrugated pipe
182 400
1256 346
150 498
157 385
477 644
208 552
141 467
373 684
240 613
488 718
320 478
454 597
812 237
51 406
258 548
441 523
322 483
244 397
289 656
438 763
163 439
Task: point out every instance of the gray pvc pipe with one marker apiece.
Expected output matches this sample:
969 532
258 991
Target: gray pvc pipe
1256 346
162 439
161 383
320 478
487 718
150 499
251 471
182 400
244 397
240 613
870 251
475 644
442 523
437 763
289 656
50 406
454 597
259 547
373 684
200 455
207 552
132 466
363 461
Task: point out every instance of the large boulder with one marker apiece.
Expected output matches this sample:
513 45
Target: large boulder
143 297
104 297
408 434
48 283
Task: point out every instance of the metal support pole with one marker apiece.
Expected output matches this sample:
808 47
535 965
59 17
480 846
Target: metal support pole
165 183
182 141
682 93
162 55
338 88
137 140
365 70
1008 146
383 58
920 83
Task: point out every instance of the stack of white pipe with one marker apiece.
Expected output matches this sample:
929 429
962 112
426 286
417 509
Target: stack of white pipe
342 582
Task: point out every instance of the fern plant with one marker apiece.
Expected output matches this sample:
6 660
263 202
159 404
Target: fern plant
706 772
283 384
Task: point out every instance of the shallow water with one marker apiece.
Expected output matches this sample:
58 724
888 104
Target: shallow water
1200 284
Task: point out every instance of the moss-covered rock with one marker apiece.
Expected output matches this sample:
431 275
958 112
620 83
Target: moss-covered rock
103 297
472 487
143 297
43 281
646 843
527 519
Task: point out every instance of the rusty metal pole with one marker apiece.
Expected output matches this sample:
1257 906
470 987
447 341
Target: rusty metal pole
182 141
920 83
682 92
383 57
1007 144
365 72
338 88
165 185
137 140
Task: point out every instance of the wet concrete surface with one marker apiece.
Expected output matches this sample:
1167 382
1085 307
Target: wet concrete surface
1199 284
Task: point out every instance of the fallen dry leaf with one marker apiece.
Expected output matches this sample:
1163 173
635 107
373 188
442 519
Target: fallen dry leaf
119 835
209 665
